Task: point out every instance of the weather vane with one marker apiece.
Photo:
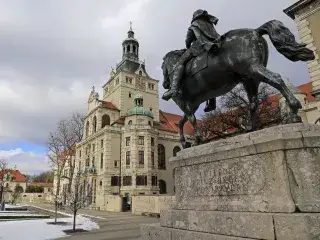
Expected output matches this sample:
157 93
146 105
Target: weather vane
130 26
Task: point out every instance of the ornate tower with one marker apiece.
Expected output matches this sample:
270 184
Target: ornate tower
130 46
130 78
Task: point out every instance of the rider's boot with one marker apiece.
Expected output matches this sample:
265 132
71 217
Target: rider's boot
211 105
174 90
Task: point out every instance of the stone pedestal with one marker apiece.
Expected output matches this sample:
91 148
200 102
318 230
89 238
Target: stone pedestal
261 185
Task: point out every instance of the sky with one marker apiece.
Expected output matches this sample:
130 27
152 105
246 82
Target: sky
53 52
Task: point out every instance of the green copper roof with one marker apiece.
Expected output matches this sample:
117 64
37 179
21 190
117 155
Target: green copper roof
138 110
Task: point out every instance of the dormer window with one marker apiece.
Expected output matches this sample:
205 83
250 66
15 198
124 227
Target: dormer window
140 73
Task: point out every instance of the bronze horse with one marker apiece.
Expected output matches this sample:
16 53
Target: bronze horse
242 58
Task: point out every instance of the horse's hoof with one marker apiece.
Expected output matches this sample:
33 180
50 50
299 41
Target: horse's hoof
295 119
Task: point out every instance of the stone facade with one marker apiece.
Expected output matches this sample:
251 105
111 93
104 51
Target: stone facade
262 185
127 140
306 14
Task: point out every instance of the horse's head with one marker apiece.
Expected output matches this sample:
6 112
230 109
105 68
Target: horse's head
169 61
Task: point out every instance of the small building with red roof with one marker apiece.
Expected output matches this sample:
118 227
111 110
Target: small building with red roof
12 178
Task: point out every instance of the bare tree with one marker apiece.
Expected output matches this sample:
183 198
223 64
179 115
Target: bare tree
233 114
58 162
3 168
79 196
61 151
16 193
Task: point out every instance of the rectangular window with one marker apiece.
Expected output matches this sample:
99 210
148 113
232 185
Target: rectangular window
101 143
115 164
93 147
151 86
128 158
80 153
87 162
152 159
141 140
129 80
154 181
141 180
141 157
127 181
117 81
93 162
79 166
152 142
101 161
127 141
115 181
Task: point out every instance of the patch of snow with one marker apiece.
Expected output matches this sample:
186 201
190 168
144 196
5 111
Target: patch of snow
39 229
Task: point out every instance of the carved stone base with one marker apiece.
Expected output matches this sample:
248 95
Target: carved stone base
247 187
206 225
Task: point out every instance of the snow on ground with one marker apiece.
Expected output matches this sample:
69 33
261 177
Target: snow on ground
40 230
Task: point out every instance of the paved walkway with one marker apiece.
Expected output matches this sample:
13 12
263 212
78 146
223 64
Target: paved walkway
113 226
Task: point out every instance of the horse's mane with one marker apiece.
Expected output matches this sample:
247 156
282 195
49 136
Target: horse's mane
175 53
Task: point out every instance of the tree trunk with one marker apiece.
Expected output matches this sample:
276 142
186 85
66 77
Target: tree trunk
55 211
74 220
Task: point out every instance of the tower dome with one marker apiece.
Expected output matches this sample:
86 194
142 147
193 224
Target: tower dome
138 108
130 46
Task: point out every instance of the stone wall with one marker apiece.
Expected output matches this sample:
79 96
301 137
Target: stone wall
150 204
31 198
113 203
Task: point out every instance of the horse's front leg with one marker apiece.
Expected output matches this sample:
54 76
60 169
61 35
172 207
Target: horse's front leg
193 121
181 124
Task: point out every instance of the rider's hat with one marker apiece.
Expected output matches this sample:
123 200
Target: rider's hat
199 13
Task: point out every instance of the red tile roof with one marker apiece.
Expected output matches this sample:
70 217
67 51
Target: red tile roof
119 121
41 184
17 176
169 123
108 105
307 89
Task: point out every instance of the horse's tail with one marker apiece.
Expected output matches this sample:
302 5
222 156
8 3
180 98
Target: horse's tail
284 41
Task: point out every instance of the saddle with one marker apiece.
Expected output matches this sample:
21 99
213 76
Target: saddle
200 61
196 64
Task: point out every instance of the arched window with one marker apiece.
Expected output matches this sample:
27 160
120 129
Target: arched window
140 73
87 129
134 49
161 157
128 48
105 120
124 50
94 124
149 123
162 187
176 149
100 183
130 122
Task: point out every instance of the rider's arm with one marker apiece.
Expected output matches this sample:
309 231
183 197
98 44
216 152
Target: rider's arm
190 38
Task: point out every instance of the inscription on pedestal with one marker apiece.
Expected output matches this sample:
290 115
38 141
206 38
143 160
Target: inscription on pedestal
223 179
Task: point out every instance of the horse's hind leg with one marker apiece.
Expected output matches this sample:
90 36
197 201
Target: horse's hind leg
181 124
193 121
274 79
251 88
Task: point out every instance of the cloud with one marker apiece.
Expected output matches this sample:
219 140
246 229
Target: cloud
26 162
52 52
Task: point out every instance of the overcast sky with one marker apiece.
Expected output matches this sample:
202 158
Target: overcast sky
52 52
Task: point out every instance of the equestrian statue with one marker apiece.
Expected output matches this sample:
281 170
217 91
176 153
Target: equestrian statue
212 65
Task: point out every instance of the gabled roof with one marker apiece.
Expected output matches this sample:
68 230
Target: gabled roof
17 176
108 105
169 122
